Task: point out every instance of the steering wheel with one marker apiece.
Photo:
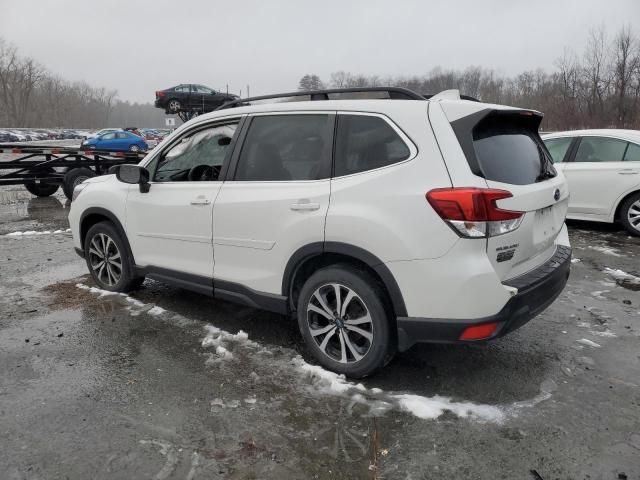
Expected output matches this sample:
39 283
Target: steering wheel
203 173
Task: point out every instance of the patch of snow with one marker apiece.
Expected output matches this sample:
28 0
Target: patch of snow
606 333
30 233
156 310
223 353
589 343
606 250
622 276
575 260
598 293
433 407
250 400
326 382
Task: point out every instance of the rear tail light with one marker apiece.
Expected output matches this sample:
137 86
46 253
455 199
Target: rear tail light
472 212
479 332
159 94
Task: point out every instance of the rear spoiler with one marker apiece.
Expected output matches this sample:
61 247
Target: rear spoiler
465 127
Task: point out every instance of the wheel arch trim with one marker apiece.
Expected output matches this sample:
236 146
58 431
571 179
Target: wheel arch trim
318 249
103 212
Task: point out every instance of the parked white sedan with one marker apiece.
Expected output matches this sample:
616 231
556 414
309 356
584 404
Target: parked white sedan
603 171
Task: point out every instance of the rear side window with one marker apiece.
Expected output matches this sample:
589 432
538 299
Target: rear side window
558 148
600 149
286 147
633 153
365 142
508 151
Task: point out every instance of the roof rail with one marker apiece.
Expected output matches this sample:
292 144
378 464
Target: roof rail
395 93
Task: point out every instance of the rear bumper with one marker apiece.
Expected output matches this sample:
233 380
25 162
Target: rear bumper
536 291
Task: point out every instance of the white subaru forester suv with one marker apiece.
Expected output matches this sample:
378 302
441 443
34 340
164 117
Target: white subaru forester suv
379 223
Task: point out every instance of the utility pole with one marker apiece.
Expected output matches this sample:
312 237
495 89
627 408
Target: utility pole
248 94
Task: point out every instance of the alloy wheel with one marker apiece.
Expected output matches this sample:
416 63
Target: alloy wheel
633 215
174 105
134 148
340 323
105 259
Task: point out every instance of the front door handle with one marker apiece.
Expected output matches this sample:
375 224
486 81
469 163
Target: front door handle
628 171
201 200
305 206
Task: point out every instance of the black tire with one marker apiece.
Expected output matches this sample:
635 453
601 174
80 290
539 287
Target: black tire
367 297
41 189
630 212
134 148
174 105
127 279
75 177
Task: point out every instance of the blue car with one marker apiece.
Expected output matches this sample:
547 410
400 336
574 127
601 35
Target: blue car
118 140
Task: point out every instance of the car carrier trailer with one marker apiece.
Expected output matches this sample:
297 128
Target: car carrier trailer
43 169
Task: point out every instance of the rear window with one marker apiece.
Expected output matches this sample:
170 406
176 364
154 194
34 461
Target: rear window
508 151
366 142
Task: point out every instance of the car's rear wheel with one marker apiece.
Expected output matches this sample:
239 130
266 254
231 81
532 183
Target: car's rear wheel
108 258
174 105
344 322
630 214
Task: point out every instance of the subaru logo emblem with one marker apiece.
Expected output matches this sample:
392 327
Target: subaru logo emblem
556 195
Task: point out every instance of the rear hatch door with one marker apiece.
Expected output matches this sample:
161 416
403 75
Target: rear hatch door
504 148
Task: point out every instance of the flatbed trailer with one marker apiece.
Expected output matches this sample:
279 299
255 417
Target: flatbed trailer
43 169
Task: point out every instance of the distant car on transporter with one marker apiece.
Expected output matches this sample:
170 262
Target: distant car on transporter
120 140
191 97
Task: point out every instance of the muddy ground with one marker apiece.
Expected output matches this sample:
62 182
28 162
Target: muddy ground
116 387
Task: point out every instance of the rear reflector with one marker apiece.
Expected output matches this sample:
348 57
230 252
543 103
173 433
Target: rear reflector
479 332
472 212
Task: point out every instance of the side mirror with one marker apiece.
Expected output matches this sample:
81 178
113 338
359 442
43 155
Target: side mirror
134 175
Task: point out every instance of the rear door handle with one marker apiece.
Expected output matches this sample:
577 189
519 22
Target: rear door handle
305 206
628 171
200 201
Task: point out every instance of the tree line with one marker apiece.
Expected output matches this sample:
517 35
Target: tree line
31 96
598 88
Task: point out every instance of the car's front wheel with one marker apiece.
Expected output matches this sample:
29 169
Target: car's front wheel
109 260
344 322
630 214
134 148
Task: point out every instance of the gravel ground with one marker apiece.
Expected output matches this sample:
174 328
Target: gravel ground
123 387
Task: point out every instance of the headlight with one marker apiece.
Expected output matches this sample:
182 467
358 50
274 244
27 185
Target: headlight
78 190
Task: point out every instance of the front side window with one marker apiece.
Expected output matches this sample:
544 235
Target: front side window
286 147
366 142
558 148
633 153
197 157
108 136
600 149
201 89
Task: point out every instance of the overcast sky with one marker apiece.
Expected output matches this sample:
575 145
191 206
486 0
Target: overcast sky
139 46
